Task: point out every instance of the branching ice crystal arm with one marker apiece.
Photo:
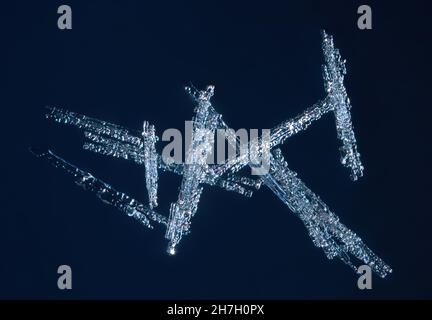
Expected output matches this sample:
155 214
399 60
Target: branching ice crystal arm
111 147
93 125
285 130
336 100
324 227
104 191
116 143
235 187
150 162
114 148
333 72
120 150
278 135
250 182
195 170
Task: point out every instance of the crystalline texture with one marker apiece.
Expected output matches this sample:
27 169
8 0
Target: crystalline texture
336 100
334 71
323 226
113 140
285 130
195 170
96 126
103 190
150 162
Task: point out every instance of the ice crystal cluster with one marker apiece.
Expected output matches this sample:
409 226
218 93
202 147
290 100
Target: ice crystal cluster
323 226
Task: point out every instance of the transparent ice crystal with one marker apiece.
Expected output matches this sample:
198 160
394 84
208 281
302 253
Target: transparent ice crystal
323 226
150 162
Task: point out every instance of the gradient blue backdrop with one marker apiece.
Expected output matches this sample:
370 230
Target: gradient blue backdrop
126 61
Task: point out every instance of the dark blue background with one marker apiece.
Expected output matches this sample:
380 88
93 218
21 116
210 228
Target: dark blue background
126 61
